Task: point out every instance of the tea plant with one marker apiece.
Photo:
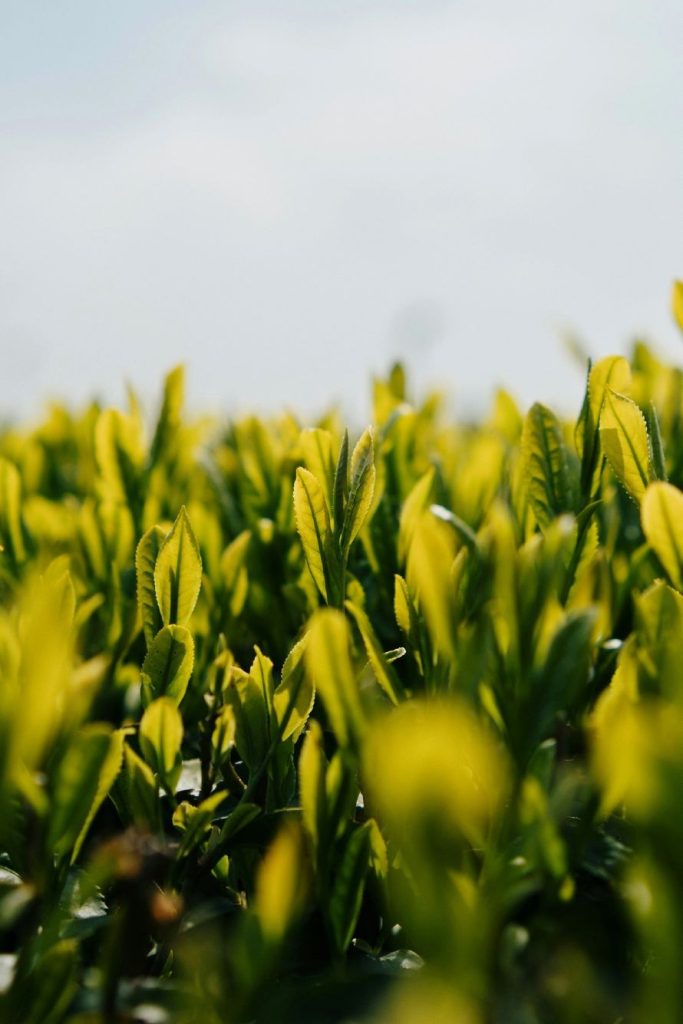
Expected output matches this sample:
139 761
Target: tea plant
295 728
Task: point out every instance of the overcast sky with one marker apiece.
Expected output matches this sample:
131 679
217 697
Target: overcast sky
287 195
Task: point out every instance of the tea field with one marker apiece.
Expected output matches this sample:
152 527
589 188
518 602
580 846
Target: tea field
298 726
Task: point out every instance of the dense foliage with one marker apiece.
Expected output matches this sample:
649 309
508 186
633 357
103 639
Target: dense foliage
293 729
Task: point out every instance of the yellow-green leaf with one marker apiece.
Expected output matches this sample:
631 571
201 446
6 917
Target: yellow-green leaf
194 822
119 454
546 465
318 450
313 525
294 697
178 573
384 673
170 414
85 775
249 704
145 560
161 735
223 735
167 667
361 490
11 535
348 883
429 577
402 605
329 667
662 518
312 769
139 792
234 571
611 373
280 884
417 502
431 766
625 442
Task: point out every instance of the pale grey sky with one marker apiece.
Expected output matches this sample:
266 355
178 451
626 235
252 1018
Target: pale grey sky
285 195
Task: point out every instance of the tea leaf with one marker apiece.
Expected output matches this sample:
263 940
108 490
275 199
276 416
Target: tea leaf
417 502
662 518
280 885
145 559
341 484
384 673
161 735
313 525
329 667
11 533
318 449
312 769
550 486
84 777
346 893
623 433
169 415
295 695
178 573
361 490
168 664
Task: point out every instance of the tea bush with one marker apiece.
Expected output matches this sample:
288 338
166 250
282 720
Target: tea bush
299 729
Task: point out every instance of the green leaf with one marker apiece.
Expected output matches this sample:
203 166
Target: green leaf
417 502
546 465
659 628
429 577
318 451
170 414
329 668
161 736
11 534
625 442
609 374
341 794
348 883
312 769
661 515
341 484
384 673
261 672
145 560
565 673
463 532
656 443
119 455
280 884
361 490
85 775
178 573
295 695
234 571
313 525
138 791
223 735
404 611
168 664
237 820
194 822
249 704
